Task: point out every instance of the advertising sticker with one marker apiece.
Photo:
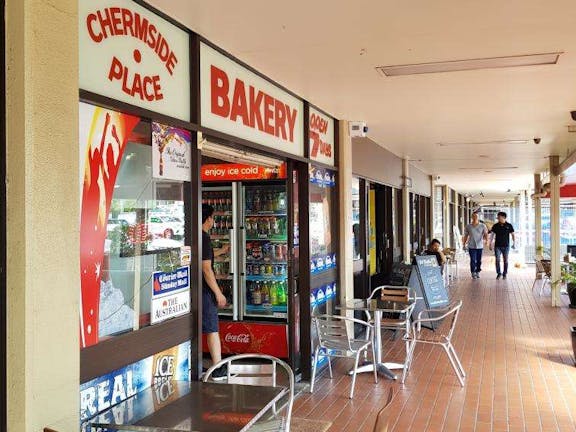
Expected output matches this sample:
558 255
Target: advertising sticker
171 153
321 135
170 295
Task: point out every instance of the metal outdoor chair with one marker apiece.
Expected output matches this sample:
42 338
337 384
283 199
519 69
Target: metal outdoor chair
400 322
336 339
442 336
543 271
383 417
259 370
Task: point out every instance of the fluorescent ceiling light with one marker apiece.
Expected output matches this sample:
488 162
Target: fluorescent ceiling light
471 64
490 168
476 143
228 154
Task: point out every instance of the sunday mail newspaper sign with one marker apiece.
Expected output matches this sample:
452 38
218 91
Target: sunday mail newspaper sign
321 136
236 101
130 54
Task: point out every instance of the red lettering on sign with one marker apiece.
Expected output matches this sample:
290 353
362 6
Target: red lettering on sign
257 109
147 88
219 86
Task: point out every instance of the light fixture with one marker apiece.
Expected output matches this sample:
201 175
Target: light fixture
477 143
471 64
228 154
491 168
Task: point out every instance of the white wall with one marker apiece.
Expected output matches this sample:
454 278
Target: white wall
374 162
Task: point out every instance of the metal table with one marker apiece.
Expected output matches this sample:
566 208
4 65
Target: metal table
189 406
377 307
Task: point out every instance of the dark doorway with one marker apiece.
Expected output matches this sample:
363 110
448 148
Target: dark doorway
384 230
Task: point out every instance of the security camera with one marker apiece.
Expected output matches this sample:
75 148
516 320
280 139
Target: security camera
573 115
537 140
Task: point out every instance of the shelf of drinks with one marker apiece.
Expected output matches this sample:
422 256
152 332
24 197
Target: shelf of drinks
266 262
257 278
266 309
267 214
282 239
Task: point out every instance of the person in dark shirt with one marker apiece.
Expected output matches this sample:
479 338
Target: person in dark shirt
212 297
434 249
501 231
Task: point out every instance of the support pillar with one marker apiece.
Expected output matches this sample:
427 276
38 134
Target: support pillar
345 191
555 229
406 211
433 201
447 218
537 216
43 267
523 225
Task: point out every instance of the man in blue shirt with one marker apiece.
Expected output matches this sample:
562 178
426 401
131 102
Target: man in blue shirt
502 230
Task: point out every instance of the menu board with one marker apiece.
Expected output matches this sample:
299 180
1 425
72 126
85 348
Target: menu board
433 289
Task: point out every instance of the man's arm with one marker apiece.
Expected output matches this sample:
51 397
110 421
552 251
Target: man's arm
210 279
485 235
465 240
222 251
491 240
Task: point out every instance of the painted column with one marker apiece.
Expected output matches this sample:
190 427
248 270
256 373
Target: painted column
406 210
447 218
555 229
523 225
432 205
345 189
537 216
43 212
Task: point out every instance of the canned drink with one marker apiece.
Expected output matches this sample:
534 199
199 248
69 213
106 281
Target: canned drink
262 269
256 270
269 270
284 251
278 252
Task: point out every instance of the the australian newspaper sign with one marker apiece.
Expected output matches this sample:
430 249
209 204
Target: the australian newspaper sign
237 101
132 55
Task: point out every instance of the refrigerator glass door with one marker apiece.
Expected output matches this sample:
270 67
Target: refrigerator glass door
264 287
222 234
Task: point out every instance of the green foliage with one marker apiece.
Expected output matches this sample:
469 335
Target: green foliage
569 276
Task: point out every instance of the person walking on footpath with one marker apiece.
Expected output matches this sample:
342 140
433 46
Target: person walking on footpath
475 237
502 231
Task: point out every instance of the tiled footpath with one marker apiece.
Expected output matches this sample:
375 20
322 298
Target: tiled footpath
516 350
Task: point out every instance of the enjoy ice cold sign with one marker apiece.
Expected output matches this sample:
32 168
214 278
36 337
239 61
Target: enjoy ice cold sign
132 55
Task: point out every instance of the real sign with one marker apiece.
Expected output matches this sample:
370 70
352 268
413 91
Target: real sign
321 135
132 55
236 101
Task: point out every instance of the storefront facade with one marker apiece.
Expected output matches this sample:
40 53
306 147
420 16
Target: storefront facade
168 121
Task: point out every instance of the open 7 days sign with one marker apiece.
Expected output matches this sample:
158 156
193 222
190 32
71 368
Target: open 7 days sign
132 55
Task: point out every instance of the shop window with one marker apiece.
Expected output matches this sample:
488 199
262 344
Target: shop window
323 242
132 222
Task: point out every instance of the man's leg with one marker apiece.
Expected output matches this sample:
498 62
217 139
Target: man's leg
479 260
505 252
472 263
214 347
498 253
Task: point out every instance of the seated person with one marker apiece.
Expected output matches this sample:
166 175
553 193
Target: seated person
435 249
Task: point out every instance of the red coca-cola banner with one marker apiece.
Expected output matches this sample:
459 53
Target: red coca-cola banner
240 172
242 338
103 138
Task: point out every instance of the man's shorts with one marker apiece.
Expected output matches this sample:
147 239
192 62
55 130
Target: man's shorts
209 313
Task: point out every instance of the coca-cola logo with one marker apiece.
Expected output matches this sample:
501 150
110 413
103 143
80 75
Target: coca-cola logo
242 338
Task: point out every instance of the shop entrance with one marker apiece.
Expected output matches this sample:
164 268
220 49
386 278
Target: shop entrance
381 233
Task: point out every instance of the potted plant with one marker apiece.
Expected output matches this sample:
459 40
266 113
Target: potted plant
569 276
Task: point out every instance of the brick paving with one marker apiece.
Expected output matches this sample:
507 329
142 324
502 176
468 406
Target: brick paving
517 353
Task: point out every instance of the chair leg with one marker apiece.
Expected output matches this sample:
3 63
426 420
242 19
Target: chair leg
329 366
542 282
408 361
314 369
454 365
374 363
354 374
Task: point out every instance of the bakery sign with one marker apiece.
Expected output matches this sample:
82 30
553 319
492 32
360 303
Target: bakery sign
132 55
321 136
237 101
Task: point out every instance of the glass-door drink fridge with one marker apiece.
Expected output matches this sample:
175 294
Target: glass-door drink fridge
253 218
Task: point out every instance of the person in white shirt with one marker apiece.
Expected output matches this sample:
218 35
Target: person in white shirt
475 237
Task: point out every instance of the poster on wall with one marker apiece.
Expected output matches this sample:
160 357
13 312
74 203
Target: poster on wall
321 136
170 294
108 390
130 54
103 135
171 153
239 102
372 231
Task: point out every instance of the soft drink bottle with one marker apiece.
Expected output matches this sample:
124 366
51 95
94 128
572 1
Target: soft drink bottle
283 295
273 294
257 295
265 293
257 203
